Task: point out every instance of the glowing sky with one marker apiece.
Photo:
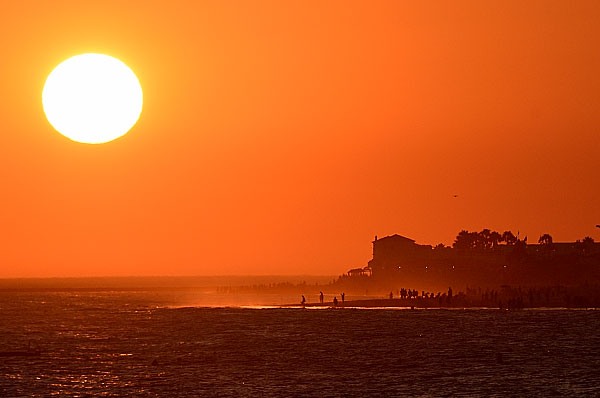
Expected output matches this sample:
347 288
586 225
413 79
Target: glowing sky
280 137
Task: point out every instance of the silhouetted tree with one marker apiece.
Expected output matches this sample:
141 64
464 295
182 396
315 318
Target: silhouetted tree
463 240
587 244
495 238
484 239
509 238
545 240
475 240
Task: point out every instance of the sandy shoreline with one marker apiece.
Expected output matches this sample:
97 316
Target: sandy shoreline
414 304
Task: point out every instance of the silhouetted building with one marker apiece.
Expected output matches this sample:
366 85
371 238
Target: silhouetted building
366 271
398 260
392 253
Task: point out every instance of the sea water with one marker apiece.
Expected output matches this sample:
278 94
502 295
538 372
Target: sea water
169 344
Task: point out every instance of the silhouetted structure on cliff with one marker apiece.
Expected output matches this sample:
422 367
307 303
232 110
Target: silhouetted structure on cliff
484 259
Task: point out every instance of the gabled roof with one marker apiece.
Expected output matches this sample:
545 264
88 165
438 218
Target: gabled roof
396 238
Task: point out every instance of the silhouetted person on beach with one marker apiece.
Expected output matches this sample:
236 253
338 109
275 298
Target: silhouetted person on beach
391 295
321 297
343 297
335 301
303 302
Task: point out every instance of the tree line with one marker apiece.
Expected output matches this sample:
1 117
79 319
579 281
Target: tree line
487 239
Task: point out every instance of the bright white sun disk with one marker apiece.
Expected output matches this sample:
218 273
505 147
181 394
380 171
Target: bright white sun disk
92 98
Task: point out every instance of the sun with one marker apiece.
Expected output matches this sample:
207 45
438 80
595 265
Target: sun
92 98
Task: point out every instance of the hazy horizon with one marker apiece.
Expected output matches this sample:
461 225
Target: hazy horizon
157 281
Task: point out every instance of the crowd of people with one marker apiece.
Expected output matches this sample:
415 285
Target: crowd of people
503 298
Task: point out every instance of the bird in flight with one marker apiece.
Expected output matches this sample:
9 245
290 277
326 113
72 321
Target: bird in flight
597 225
455 196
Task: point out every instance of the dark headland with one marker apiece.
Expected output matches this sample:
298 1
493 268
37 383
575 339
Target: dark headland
480 269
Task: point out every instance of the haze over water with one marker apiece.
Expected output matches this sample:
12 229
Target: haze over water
147 344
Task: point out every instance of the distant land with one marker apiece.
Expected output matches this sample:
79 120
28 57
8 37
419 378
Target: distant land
485 259
149 283
481 269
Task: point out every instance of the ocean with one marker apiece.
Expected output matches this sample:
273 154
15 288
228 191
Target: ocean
184 344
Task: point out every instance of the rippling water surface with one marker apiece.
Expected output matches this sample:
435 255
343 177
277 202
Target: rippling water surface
144 344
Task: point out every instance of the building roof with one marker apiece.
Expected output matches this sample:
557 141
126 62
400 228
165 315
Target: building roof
395 237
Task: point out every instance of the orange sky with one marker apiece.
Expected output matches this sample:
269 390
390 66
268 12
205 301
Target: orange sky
280 137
